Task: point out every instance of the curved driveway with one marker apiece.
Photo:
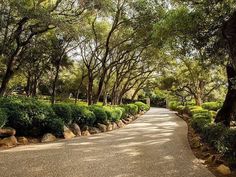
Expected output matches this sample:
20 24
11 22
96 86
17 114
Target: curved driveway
155 145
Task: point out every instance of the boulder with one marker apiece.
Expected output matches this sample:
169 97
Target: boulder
75 129
68 134
33 140
8 142
224 170
94 130
85 133
109 127
211 159
22 140
120 124
6 132
102 127
48 137
196 142
114 126
125 121
204 149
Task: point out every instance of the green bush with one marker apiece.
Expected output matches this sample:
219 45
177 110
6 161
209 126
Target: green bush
53 125
131 109
87 117
213 106
3 117
123 111
100 114
64 112
26 115
113 113
76 112
181 109
173 105
142 106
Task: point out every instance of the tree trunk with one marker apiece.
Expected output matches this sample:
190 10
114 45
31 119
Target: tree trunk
198 100
53 97
6 78
90 91
228 110
100 86
35 86
28 85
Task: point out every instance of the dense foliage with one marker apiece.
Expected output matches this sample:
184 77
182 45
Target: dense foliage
216 135
31 117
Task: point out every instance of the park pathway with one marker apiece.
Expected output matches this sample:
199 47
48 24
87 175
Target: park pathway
155 145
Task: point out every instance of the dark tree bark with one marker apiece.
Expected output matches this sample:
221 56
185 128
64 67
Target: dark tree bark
228 110
54 84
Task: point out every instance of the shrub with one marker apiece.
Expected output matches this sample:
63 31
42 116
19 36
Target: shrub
173 105
53 125
142 106
123 111
87 117
199 111
213 106
113 113
26 115
227 144
63 111
76 112
100 114
181 109
212 132
3 117
131 109
201 119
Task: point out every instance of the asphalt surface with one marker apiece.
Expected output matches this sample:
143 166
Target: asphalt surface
155 145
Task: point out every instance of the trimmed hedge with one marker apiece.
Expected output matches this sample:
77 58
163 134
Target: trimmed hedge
142 106
131 109
213 106
100 114
63 111
31 117
87 117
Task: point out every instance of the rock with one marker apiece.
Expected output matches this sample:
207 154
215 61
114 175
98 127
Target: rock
33 140
68 134
219 161
211 159
204 149
22 140
94 130
125 121
120 124
75 129
9 141
48 137
224 170
114 126
6 132
206 155
109 127
102 127
85 133
196 142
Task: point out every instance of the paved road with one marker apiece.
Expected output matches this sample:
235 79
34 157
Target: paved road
155 145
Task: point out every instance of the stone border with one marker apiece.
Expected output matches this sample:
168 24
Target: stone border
73 131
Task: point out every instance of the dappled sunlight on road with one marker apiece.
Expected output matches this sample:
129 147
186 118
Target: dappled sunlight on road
154 145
